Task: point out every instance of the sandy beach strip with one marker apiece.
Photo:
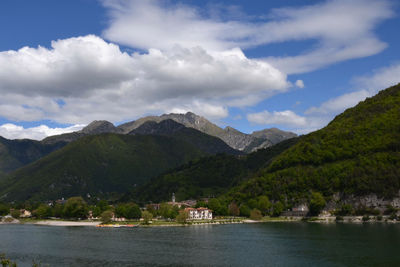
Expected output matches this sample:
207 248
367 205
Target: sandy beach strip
66 223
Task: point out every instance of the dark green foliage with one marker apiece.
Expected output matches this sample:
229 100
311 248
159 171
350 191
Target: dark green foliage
4 209
168 211
244 210
317 203
147 216
98 165
18 153
106 216
264 205
206 177
128 211
339 218
366 218
345 209
182 216
277 208
215 205
15 213
75 207
43 211
357 153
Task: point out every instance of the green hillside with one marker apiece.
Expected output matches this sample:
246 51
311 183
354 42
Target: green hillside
17 153
98 165
357 153
209 176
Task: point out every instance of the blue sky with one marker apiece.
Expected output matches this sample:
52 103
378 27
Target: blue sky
248 64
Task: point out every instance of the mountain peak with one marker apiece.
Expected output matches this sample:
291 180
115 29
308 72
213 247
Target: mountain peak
98 127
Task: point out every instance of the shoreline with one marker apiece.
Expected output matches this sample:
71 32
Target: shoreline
322 219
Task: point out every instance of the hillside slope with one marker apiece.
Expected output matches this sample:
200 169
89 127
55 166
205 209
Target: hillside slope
100 164
358 153
205 177
17 153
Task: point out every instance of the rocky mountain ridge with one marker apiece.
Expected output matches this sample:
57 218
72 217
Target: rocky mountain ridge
234 138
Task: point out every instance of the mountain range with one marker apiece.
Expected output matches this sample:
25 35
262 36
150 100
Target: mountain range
234 138
358 153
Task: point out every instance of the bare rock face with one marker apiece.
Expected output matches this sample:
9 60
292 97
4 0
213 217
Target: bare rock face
274 135
232 137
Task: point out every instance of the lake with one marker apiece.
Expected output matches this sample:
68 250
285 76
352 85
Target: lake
267 244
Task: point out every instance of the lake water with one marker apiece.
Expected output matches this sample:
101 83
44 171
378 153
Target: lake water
268 244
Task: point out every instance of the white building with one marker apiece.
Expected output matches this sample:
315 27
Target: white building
199 214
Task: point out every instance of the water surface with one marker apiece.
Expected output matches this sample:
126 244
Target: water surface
268 244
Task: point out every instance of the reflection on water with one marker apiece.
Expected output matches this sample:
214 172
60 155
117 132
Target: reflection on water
270 244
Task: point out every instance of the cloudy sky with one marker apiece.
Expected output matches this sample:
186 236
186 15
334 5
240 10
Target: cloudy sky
289 64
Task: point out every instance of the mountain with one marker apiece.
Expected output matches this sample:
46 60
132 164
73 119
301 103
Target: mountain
107 163
356 154
205 142
207 176
17 153
234 138
96 127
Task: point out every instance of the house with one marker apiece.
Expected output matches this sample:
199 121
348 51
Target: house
25 213
199 214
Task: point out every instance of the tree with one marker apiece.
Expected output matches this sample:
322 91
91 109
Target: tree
244 210
75 207
43 211
182 216
151 209
264 205
4 209
233 209
147 217
133 211
317 203
255 214
15 213
58 210
277 208
216 206
168 211
106 216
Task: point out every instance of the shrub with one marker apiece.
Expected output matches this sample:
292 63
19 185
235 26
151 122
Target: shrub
106 216
366 218
379 218
339 218
15 213
147 216
393 216
277 209
317 203
345 209
255 214
182 216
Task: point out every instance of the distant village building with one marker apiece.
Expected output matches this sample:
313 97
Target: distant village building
199 214
297 211
25 213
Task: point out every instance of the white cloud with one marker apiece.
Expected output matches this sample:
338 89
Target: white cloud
95 80
12 131
367 85
286 118
342 29
299 83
